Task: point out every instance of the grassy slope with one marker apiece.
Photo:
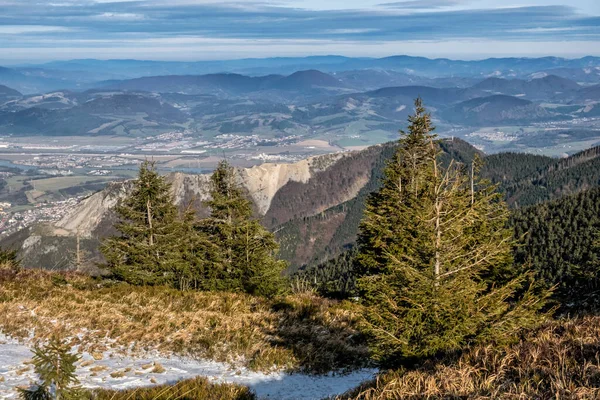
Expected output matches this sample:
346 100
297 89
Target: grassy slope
293 333
560 360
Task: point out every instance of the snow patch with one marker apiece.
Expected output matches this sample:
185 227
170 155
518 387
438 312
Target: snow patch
137 371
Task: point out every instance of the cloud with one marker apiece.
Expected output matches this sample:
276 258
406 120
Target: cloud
422 4
112 16
22 29
349 31
122 23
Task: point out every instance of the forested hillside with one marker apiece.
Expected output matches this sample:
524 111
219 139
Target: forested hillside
524 180
559 240
557 233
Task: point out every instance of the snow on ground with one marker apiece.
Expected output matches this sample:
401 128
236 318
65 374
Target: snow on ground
128 372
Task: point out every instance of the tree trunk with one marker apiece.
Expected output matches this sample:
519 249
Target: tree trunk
149 211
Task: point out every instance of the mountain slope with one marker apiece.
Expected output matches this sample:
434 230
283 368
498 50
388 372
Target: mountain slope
545 88
6 92
314 206
230 84
496 109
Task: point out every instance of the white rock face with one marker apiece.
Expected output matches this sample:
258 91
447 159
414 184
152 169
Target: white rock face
265 180
89 213
262 182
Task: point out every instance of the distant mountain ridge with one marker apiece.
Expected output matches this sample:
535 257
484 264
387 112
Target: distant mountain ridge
544 88
229 84
495 109
306 100
84 74
281 65
7 93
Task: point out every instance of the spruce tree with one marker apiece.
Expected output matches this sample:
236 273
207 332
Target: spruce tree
155 245
435 256
247 250
55 365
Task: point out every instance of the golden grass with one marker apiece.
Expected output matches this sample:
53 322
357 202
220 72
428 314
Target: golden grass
193 389
296 332
558 361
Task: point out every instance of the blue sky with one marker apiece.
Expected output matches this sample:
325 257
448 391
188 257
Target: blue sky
42 30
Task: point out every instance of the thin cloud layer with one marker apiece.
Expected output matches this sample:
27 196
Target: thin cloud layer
192 24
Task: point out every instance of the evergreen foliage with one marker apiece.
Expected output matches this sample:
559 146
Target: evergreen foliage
334 278
156 246
559 239
434 256
247 250
55 365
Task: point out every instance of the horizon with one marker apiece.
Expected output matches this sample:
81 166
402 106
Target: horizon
203 30
17 63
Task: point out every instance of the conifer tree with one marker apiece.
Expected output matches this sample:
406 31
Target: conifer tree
155 245
247 250
435 256
55 365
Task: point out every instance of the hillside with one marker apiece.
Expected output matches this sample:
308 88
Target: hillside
314 205
544 88
231 84
496 109
544 364
8 93
95 112
303 80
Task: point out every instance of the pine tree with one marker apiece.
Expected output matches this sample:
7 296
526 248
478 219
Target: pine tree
155 245
247 250
199 258
435 256
55 365
406 180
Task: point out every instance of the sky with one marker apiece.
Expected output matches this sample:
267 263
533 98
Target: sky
186 30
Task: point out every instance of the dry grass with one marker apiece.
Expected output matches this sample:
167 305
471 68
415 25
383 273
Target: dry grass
558 361
193 389
297 332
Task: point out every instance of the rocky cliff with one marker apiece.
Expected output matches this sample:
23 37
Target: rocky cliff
53 245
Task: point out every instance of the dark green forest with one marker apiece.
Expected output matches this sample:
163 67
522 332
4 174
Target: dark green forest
555 216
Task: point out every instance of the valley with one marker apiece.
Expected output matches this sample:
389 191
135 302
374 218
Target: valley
299 200
61 140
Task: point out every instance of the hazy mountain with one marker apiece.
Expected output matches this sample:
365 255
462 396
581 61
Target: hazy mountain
7 93
88 113
588 94
303 80
38 121
587 75
418 66
493 110
127 104
231 84
545 88
29 84
431 95
51 100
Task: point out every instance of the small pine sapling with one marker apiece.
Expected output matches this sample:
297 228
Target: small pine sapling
55 365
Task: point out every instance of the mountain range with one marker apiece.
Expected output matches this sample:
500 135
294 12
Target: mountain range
394 70
305 101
